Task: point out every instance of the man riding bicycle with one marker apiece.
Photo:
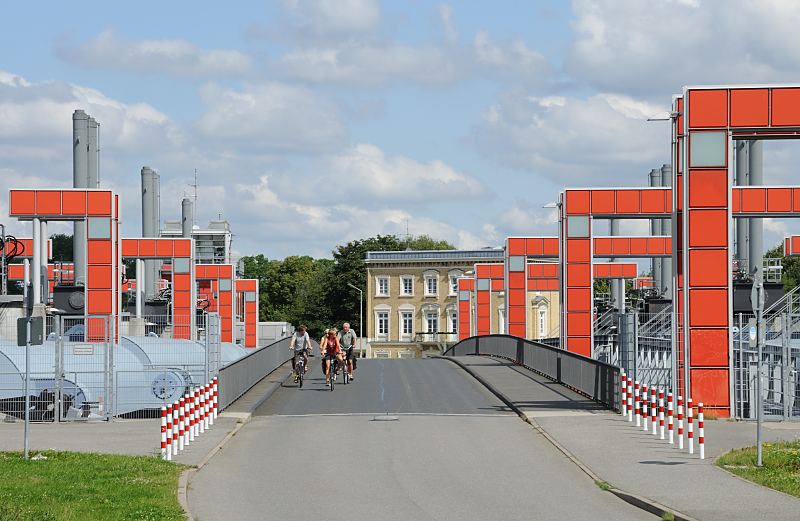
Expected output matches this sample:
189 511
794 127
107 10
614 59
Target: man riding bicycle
347 340
300 344
331 350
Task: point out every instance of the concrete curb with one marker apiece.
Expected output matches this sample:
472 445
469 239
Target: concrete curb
643 503
244 418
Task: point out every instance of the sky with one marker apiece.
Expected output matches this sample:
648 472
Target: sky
311 123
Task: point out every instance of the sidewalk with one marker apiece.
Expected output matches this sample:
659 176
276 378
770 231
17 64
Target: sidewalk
640 463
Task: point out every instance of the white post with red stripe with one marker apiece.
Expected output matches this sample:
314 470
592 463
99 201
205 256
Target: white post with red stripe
197 413
690 432
207 411
680 422
630 400
653 410
201 418
181 419
637 404
175 428
670 427
216 398
623 391
190 416
163 432
701 439
661 412
169 433
644 408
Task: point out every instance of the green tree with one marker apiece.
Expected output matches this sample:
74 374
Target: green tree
791 267
62 247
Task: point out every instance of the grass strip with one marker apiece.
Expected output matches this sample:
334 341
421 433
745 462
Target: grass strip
781 469
70 486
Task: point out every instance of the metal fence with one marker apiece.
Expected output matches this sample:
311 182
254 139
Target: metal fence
592 378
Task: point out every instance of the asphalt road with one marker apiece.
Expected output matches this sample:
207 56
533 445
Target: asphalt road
453 452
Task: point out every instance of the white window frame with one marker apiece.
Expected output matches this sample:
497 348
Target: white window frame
501 320
403 279
428 314
452 278
377 311
378 280
403 309
428 279
381 354
541 319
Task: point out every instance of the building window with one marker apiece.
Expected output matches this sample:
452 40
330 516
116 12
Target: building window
382 287
453 285
406 323
542 322
383 323
454 322
431 286
406 286
432 321
501 322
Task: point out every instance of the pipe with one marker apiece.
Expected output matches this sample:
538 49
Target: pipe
140 283
187 217
742 225
80 162
613 229
756 245
656 229
92 179
666 229
44 262
37 261
148 228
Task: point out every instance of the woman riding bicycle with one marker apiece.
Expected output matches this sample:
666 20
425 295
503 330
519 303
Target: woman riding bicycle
331 350
300 344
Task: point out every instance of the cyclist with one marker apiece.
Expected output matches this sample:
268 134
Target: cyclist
347 339
300 344
331 350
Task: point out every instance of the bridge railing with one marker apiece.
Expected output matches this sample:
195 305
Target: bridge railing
591 378
237 378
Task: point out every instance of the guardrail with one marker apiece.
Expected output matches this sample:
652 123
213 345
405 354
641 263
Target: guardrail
591 378
238 377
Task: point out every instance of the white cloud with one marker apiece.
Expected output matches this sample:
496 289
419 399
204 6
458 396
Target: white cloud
168 57
654 48
511 59
446 17
602 139
270 117
334 18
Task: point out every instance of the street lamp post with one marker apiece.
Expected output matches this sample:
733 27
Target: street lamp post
360 310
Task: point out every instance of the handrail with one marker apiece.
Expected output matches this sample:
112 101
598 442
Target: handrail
784 299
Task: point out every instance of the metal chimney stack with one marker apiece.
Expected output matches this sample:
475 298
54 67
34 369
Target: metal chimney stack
187 217
80 168
150 224
656 229
666 229
756 170
92 172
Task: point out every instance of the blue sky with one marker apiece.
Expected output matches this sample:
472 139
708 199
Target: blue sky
312 123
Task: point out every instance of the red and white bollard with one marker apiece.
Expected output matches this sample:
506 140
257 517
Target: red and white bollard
623 391
670 426
186 420
201 418
197 413
644 408
637 405
207 414
680 422
690 431
181 423
163 432
653 410
216 398
190 416
661 412
630 400
701 439
169 433
176 414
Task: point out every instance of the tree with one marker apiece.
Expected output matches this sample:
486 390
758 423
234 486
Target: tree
791 267
62 247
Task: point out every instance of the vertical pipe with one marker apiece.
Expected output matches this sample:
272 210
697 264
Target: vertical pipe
140 283
742 226
37 261
80 162
187 217
655 229
613 229
756 246
148 229
92 154
43 258
666 229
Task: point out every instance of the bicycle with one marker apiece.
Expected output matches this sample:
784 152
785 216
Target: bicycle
300 370
343 367
331 370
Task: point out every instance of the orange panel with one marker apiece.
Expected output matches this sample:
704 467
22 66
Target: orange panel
73 203
579 299
498 285
754 200
182 282
130 248
795 245
22 202
653 201
16 271
708 228
708 308
225 298
579 274
516 314
99 204
482 271
516 280
225 271
796 199
550 246
621 246
533 247
551 285
516 246
581 346
657 246
708 188
779 199
482 297
496 271
99 277
147 247
602 246
577 202
183 248
786 107
48 202
603 202
711 387
516 298
99 302
182 299
578 250
579 324
100 252
708 108
707 268
628 201
164 248
550 270
629 271
639 246
749 107
736 200
709 347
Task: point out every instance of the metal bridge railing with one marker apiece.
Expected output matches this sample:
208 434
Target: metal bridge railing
592 378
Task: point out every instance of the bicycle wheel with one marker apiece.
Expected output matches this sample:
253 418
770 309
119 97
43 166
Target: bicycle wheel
301 374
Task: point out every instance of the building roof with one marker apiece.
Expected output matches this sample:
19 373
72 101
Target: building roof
486 254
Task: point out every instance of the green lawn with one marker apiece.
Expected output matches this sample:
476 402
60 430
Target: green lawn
87 487
781 469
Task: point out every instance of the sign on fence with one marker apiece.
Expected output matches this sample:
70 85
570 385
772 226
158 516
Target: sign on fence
37 331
